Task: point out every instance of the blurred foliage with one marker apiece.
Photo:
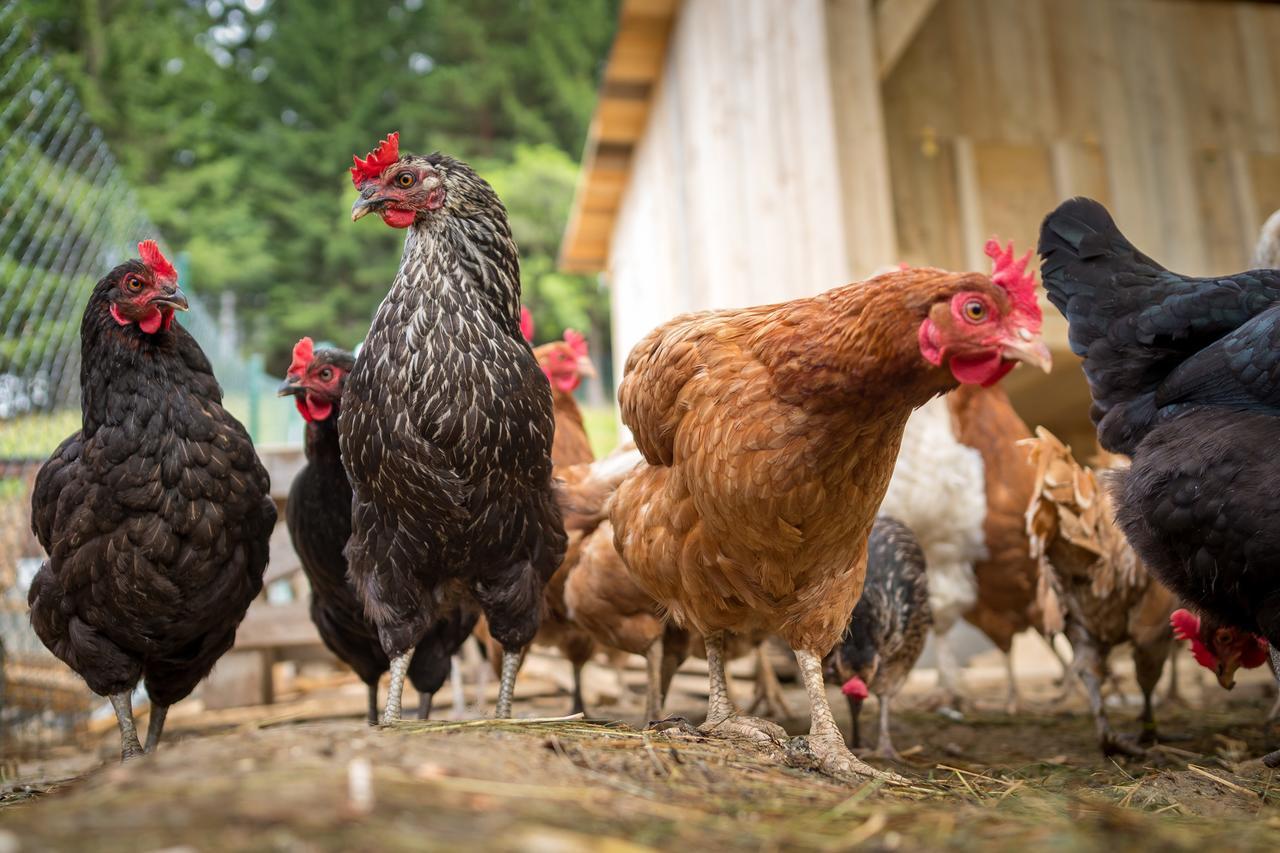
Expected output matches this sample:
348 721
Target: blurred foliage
236 121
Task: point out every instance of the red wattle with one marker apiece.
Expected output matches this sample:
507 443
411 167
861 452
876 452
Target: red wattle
398 217
318 409
151 323
979 370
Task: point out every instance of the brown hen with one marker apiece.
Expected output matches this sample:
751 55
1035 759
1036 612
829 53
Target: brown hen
770 434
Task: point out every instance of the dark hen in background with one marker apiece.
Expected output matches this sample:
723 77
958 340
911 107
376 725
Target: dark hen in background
888 628
319 517
1185 377
155 515
446 425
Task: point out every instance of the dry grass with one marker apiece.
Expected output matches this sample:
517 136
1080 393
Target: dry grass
570 784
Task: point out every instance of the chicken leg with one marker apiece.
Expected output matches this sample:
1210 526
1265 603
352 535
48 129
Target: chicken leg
395 689
155 725
130 748
507 686
722 716
1090 665
424 706
372 713
884 744
1012 700
653 697
825 741
768 691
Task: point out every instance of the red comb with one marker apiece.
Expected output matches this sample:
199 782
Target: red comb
160 266
303 353
1012 275
1186 626
376 160
576 342
526 324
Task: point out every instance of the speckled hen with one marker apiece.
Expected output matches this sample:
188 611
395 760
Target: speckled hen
446 425
155 514
888 627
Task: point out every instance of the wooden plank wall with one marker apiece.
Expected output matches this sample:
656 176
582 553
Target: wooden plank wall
732 198
1167 112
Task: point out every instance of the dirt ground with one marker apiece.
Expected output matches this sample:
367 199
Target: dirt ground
292 777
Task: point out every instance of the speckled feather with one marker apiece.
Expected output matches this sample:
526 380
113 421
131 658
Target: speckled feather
318 515
892 618
770 434
446 431
155 515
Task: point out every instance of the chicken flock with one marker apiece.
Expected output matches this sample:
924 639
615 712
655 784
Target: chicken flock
840 473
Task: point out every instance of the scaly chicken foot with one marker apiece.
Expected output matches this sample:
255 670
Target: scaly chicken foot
155 725
507 686
130 747
723 718
1089 667
825 741
395 689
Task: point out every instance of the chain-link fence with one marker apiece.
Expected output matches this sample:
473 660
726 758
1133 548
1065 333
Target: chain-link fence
67 215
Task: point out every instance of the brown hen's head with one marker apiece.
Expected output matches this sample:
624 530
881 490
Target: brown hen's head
408 188
981 333
565 362
1217 647
143 293
315 379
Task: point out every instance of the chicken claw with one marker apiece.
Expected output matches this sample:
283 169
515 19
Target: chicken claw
835 759
130 747
722 717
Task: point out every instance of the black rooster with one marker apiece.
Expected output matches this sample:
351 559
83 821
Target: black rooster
1185 377
446 424
155 515
319 517
888 628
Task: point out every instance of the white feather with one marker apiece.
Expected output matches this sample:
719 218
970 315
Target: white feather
938 490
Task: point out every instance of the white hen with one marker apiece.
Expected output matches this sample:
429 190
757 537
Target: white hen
938 490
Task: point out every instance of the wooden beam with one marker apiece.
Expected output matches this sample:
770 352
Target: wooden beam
870 237
897 22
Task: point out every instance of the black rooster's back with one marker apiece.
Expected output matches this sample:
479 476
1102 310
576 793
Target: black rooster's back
1131 320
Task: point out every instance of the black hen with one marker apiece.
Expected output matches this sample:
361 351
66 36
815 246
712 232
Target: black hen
155 515
888 628
446 424
1185 376
319 517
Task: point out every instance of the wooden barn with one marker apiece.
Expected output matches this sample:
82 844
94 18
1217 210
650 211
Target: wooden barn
748 151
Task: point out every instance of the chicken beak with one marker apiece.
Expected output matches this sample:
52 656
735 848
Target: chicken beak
290 386
364 206
175 299
1030 349
586 369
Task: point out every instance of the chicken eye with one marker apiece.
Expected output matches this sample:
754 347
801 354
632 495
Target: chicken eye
405 179
326 374
975 311
133 284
